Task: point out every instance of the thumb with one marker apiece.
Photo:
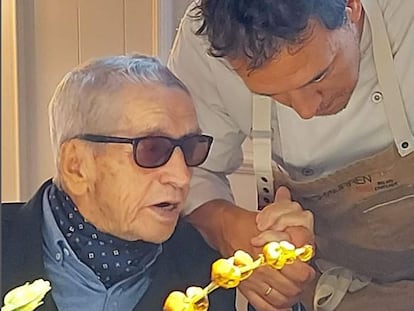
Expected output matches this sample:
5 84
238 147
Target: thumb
283 194
268 216
300 236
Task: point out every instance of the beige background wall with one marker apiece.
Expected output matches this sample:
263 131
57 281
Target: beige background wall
9 113
43 39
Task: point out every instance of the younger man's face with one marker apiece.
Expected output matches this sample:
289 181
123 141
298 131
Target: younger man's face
316 78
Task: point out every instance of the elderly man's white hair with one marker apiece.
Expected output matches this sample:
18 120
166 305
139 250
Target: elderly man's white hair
82 101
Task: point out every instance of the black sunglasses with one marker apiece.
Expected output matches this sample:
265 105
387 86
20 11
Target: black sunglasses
155 151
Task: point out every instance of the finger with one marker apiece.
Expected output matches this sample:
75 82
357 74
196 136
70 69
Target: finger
281 283
283 194
269 236
299 273
300 236
270 302
267 303
271 213
258 303
302 218
255 294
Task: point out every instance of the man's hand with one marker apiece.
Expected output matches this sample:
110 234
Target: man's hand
229 228
284 215
270 289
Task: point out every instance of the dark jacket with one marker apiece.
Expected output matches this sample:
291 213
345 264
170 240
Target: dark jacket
185 261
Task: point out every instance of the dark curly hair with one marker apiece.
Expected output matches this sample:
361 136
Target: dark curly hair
257 29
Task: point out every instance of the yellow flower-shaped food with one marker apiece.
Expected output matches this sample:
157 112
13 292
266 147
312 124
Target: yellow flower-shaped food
178 301
194 299
225 274
305 253
242 260
278 255
198 297
228 273
26 297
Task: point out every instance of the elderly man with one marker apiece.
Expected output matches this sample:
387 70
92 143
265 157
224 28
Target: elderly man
123 167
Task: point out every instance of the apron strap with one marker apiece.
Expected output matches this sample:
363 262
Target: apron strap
334 283
331 288
261 134
388 80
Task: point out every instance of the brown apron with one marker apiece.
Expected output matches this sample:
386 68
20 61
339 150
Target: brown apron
364 213
364 221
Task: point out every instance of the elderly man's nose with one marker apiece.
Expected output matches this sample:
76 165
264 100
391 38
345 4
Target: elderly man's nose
176 170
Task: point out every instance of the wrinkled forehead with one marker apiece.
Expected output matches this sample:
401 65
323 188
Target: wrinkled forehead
151 109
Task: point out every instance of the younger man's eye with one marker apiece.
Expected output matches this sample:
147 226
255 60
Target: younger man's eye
320 77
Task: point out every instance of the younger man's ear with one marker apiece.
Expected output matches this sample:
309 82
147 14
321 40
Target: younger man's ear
354 10
76 166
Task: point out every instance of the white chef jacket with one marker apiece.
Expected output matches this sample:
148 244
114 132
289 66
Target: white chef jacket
305 149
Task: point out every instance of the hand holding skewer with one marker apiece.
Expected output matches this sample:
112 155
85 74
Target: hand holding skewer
228 273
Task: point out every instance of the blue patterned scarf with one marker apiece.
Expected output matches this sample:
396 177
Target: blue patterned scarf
112 259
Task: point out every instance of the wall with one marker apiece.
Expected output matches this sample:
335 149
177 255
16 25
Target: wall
44 39
9 108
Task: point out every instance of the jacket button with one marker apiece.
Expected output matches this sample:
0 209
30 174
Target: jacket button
376 97
66 251
307 171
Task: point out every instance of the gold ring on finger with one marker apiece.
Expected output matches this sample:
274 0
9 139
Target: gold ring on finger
268 291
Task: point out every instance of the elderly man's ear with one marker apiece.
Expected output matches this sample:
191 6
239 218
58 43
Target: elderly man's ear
77 167
354 10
